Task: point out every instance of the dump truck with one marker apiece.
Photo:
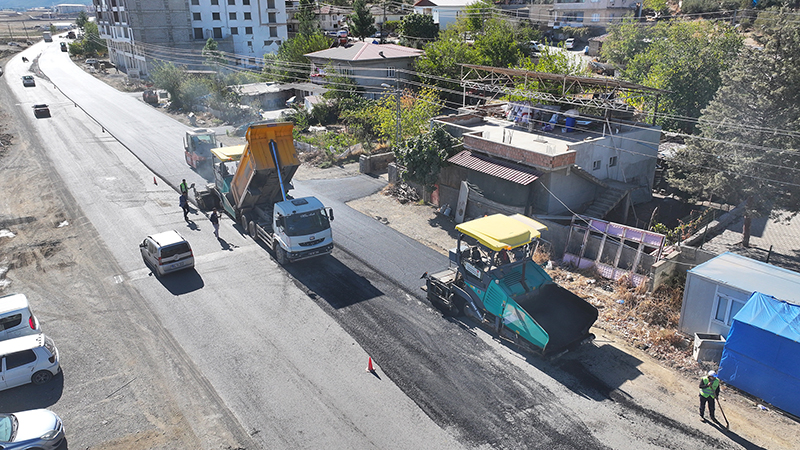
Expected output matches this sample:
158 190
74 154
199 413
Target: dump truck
251 183
197 143
493 278
48 37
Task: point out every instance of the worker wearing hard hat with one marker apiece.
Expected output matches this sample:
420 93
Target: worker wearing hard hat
709 391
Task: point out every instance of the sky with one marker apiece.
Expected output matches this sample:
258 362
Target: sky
28 4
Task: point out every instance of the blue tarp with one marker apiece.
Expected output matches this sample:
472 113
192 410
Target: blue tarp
762 353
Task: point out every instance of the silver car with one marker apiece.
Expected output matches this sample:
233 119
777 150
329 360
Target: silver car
35 429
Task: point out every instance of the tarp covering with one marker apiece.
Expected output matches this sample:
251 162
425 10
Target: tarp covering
762 352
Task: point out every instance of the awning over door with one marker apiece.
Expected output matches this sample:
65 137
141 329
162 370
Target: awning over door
501 169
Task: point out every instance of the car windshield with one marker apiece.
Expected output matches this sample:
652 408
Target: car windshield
8 426
311 222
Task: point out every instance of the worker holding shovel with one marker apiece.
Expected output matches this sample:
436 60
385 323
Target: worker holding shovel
709 391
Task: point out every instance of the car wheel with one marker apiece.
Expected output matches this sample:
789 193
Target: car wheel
41 377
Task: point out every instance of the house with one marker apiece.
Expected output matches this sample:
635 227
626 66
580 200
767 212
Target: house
172 29
549 163
570 13
718 289
369 64
444 12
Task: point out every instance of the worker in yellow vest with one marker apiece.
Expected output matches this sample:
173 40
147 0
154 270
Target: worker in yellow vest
709 391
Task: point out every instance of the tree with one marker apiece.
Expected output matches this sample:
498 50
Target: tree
307 18
746 151
92 44
168 76
442 61
683 58
417 30
82 19
213 56
361 21
289 63
416 111
477 13
424 156
497 45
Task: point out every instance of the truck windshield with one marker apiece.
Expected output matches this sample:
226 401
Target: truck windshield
311 222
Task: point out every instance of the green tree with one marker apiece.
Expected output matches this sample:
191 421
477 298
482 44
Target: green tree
424 155
168 76
362 24
213 56
416 111
477 14
497 45
746 151
82 19
307 18
289 64
683 58
417 30
92 44
440 64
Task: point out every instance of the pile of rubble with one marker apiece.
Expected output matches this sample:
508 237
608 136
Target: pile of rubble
402 192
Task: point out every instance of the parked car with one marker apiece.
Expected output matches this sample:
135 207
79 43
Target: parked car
536 46
90 61
34 429
16 317
28 81
167 252
569 44
41 110
28 359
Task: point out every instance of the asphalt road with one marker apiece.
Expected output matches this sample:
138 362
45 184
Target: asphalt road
280 354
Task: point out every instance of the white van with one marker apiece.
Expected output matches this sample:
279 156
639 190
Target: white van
28 359
16 317
167 252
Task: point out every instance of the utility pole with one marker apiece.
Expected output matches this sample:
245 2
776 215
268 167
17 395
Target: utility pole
397 101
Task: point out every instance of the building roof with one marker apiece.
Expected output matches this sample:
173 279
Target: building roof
749 275
366 51
508 171
268 88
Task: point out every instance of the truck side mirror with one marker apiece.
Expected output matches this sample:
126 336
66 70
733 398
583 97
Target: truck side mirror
330 214
279 221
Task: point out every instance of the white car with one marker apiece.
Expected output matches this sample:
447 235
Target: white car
569 44
35 429
16 317
167 252
28 359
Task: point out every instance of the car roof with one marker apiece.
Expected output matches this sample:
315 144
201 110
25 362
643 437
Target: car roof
13 302
167 238
27 76
21 343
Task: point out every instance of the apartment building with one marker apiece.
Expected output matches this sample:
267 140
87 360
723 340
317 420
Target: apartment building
581 13
139 33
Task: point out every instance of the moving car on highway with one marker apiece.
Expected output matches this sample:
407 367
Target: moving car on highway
28 81
41 110
167 252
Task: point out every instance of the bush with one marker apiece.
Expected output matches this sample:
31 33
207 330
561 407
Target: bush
324 113
699 6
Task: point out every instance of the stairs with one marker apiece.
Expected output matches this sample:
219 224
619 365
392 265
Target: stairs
605 203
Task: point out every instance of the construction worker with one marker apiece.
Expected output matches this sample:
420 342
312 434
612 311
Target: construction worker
184 188
709 391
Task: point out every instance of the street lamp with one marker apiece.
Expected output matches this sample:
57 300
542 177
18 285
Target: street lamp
397 101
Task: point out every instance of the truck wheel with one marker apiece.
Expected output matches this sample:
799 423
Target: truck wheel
245 221
280 255
251 228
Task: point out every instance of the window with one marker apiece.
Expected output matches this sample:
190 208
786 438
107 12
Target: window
246 2
232 16
390 72
248 30
10 321
273 31
596 165
247 16
198 33
250 44
726 309
234 30
232 2
215 16
214 2
15 360
595 17
612 161
273 17
270 4
217 33
278 42
197 16
195 2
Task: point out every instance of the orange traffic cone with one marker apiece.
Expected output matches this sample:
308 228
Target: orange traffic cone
154 181
369 366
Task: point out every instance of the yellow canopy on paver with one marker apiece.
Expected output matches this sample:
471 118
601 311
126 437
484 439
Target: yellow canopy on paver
232 153
499 231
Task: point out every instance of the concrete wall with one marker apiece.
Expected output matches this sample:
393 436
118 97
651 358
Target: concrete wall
636 151
676 263
375 163
699 300
575 191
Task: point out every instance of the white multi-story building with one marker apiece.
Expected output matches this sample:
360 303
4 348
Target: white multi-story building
140 33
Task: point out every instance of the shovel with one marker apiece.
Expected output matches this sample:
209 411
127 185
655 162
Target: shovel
719 404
